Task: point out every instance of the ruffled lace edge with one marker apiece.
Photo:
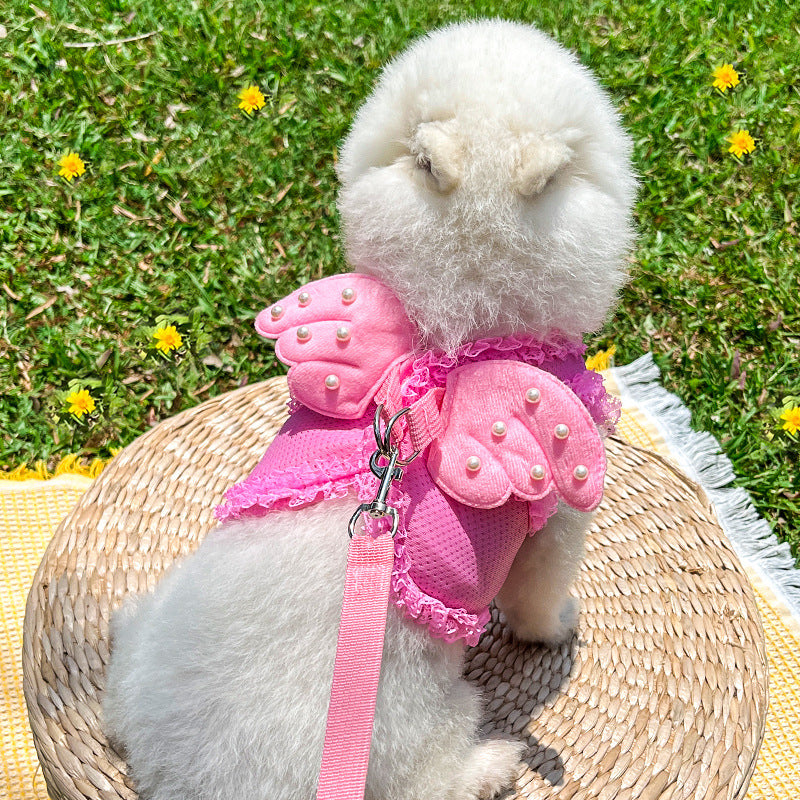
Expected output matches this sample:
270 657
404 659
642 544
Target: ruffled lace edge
295 485
430 368
450 624
540 511
604 409
311 485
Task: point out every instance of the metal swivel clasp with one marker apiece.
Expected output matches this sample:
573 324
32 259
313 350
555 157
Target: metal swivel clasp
386 473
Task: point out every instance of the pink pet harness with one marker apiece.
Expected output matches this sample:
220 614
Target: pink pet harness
507 425
505 428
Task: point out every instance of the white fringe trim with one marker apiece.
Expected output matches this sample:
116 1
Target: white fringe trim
700 457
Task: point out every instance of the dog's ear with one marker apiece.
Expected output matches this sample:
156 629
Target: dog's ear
438 153
541 158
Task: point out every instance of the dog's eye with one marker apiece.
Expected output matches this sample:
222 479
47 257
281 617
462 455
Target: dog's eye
423 162
551 180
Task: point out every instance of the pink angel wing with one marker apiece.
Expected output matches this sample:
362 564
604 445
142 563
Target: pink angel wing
513 429
340 336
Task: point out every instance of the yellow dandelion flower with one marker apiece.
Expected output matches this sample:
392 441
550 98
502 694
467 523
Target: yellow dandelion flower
725 77
71 166
602 360
251 98
741 142
80 403
167 338
791 419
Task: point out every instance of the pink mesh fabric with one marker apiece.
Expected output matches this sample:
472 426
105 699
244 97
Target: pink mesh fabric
313 457
450 559
458 554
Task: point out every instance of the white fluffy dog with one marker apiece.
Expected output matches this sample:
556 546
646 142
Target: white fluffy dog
487 182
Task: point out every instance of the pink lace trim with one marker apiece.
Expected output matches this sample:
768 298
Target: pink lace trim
443 622
298 485
256 503
541 511
604 409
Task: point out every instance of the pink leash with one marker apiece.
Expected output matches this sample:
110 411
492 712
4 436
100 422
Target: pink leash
359 650
345 755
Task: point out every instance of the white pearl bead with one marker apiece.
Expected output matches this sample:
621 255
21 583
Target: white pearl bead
303 333
343 334
473 463
499 428
332 382
303 299
276 312
533 395
348 296
537 472
581 472
561 431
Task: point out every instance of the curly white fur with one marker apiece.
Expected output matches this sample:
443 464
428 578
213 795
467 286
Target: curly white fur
219 684
487 181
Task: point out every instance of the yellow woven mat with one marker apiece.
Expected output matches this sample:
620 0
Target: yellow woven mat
30 511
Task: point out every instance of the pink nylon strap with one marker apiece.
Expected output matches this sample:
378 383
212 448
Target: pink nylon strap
345 754
423 422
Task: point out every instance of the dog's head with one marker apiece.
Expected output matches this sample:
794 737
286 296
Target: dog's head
487 180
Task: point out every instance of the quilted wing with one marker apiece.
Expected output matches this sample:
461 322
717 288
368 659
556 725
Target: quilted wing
513 429
340 336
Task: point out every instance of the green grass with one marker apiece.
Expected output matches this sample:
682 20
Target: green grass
192 213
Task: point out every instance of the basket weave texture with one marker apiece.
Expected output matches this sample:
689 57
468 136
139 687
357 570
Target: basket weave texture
662 693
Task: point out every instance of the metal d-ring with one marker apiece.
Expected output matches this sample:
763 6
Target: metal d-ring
384 440
386 474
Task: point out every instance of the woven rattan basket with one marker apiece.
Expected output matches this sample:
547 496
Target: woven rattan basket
661 694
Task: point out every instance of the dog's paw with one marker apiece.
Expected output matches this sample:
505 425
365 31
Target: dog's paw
492 766
567 622
551 629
